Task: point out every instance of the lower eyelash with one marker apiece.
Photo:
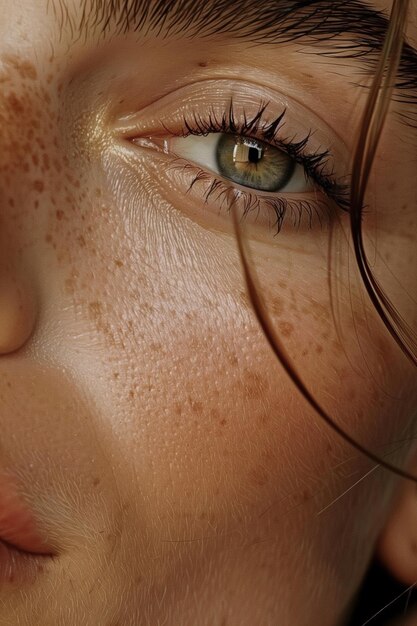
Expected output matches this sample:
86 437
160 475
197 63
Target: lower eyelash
218 190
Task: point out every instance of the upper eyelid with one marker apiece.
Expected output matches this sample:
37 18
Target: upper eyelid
219 92
165 116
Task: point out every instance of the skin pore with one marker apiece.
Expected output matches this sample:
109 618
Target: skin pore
176 474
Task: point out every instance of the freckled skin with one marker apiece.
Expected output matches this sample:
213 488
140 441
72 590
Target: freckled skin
172 462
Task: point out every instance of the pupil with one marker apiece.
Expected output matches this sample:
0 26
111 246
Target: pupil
254 155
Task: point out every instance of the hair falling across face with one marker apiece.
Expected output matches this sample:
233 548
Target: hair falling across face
208 313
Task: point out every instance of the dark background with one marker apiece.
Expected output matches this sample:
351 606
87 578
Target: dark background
378 591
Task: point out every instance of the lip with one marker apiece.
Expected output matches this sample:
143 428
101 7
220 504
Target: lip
18 526
23 551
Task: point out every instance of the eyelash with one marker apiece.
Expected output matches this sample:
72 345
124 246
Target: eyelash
314 165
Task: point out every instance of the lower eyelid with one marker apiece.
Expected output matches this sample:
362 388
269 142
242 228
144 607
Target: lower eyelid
185 185
205 195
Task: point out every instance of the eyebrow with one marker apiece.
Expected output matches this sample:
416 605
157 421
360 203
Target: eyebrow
340 29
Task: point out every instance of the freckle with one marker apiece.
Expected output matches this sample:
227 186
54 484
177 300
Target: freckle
15 105
81 241
118 263
96 482
276 307
95 309
319 349
203 64
59 215
196 406
177 408
46 165
46 96
131 394
48 238
38 186
26 69
304 353
286 329
116 375
223 422
35 159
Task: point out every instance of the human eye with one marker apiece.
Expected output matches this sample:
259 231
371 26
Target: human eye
276 168
234 153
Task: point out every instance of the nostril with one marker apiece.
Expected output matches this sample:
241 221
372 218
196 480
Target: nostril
18 311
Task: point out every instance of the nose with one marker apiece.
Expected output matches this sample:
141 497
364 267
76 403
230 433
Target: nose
18 309
18 305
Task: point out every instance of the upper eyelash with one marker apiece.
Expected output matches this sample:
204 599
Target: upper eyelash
314 163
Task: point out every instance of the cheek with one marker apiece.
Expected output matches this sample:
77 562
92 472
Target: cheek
162 336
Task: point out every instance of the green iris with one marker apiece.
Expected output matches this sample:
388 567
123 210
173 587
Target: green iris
253 163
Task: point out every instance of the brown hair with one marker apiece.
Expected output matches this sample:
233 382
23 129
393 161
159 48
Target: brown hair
373 120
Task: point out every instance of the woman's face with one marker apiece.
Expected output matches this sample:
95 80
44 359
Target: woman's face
172 469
